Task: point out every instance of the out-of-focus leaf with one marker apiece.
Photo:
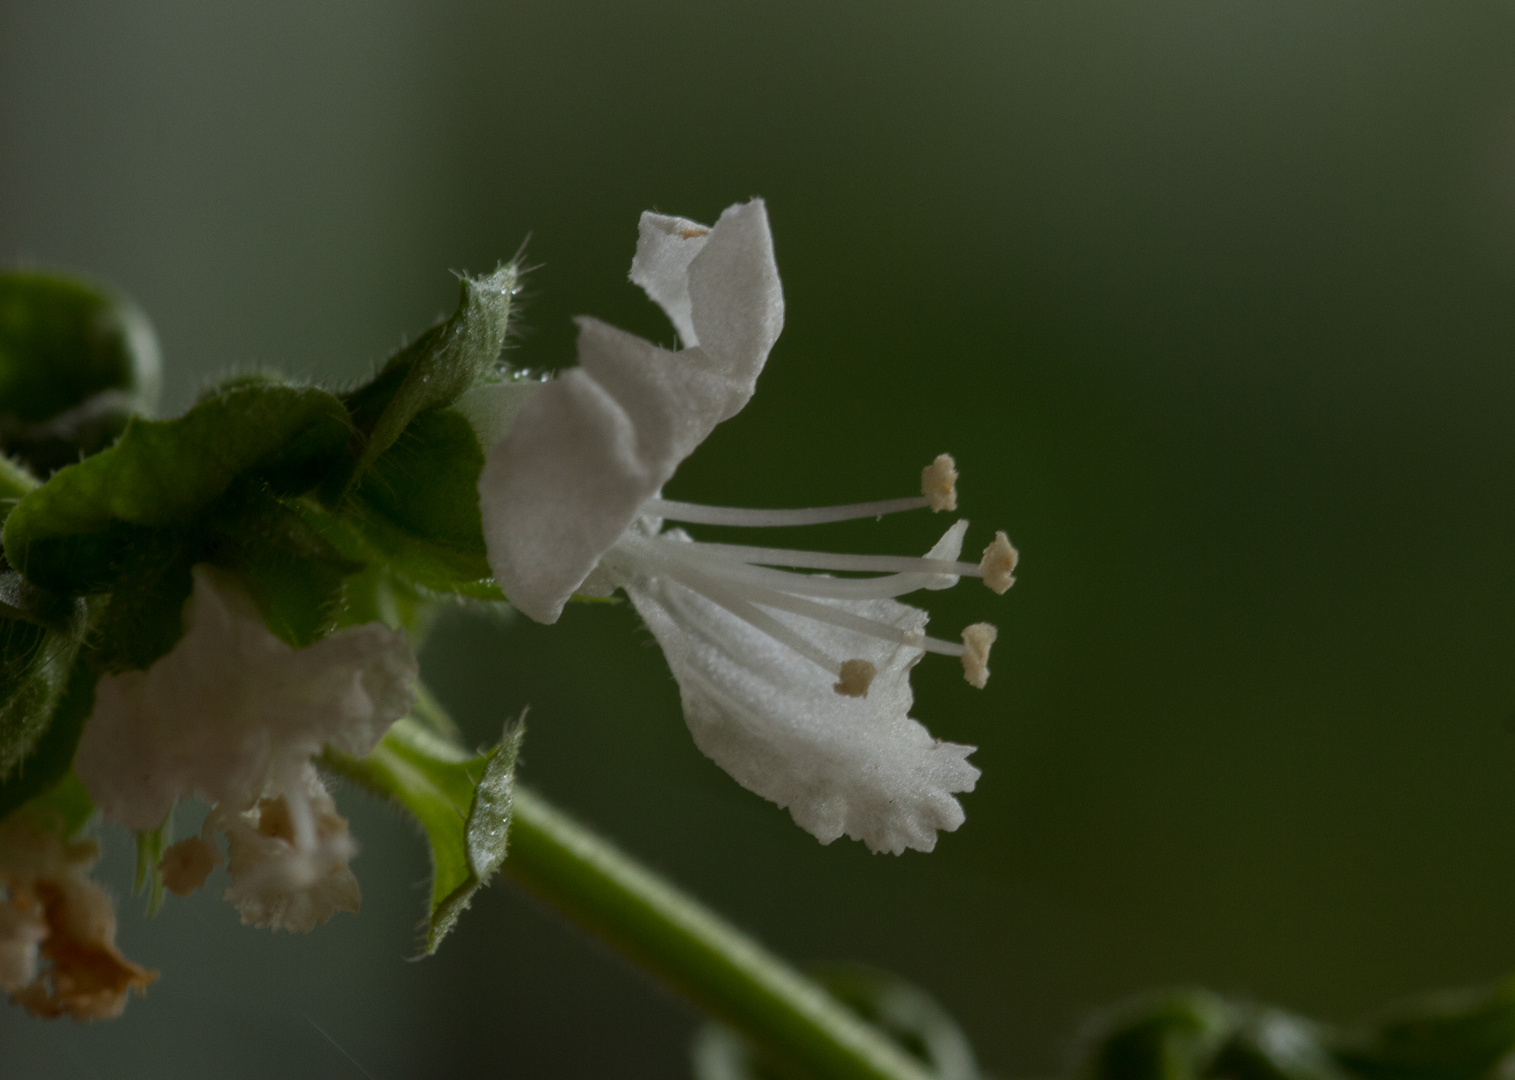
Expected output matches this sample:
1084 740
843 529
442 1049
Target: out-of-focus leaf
53 754
1172 1035
76 360
1270 1044
297 578
166 473
1454 1036
462 801
20 599
431 372
905 1013
143 616
1197 1035
377 594
65 806
40 633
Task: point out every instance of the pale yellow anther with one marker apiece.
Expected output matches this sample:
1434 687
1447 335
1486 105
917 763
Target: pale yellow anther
856 676
939 483
998 563
187 864
976 642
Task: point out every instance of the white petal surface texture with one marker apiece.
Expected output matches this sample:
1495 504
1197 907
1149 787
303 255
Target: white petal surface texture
232 713
589 448
860 767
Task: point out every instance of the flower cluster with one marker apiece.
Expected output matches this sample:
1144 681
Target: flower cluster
232 715
793 679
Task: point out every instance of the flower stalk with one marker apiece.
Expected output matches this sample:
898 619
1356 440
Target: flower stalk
716 966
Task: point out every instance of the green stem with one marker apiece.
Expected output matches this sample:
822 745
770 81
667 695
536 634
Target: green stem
718 967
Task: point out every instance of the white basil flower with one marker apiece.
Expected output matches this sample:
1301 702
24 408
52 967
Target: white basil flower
232 715
796 684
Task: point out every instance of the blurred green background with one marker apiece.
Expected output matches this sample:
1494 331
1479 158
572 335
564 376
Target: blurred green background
1211 301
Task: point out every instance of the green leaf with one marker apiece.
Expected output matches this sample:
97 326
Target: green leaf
75 361
167 473
1271 1044
143 616
53 754
20 599
1455 1036
1172 1035
417 509
296 577
903 1012
441 364
66 804
462 801
39 638
1197 1035
377 594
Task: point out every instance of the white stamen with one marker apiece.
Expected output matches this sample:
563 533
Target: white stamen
998 565
743 581
939 483
827 560
713 562
737 605
976 642
833 616
697 514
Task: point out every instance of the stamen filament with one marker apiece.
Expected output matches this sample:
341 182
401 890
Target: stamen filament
668 552
825 613
686 567
827 560
697 514
755 617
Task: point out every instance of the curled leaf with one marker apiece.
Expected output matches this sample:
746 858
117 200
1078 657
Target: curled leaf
461 800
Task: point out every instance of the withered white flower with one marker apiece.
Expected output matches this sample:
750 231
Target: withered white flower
58 955
278 881
232 715
795 684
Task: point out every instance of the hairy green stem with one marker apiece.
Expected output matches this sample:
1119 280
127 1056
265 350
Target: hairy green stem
719 968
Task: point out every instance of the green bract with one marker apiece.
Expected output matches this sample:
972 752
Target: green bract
50 755
165 474
416 509
462 800
438 366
